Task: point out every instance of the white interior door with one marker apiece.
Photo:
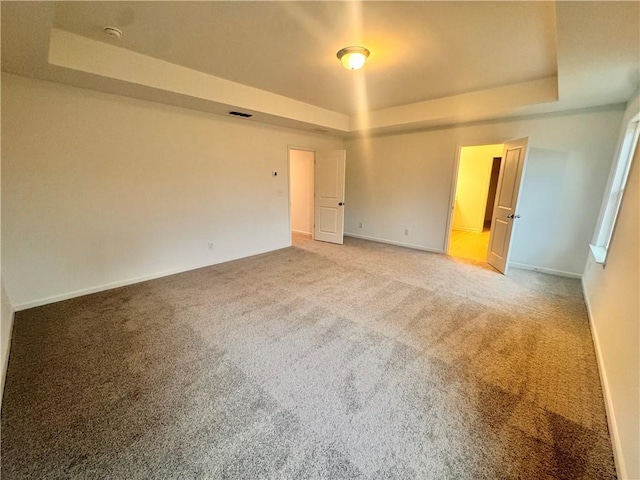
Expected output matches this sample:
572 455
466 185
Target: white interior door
504 210
329 196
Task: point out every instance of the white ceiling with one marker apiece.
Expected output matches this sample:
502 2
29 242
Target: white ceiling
431 62
420 50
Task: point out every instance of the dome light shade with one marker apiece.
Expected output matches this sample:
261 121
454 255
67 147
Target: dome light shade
353 58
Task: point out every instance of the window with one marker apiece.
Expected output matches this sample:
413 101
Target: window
617 182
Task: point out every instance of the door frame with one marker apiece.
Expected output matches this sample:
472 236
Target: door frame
303 149
454 186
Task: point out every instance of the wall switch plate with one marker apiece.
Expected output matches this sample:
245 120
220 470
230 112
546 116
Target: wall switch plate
407 232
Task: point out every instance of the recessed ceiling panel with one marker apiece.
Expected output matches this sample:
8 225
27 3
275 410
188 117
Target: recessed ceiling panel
419 50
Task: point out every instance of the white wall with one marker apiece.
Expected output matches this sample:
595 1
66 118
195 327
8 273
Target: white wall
99 190
404 181
6 325
474 174
301 174
611 292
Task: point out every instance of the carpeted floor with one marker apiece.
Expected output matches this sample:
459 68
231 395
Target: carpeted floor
361 361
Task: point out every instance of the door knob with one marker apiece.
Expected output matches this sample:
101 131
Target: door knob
341 204
512 215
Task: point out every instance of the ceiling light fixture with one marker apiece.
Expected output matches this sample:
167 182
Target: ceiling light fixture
353 58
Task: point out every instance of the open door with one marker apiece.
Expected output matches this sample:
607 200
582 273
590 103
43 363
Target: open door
329 192
504 210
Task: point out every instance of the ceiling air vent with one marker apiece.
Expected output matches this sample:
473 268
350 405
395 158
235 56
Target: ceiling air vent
240 114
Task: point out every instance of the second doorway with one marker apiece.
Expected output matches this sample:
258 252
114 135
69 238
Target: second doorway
477 181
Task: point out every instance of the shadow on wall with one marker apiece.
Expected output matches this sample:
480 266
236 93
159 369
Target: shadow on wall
545 184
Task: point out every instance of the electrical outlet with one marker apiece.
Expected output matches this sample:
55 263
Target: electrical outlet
210 246
407 232
360 225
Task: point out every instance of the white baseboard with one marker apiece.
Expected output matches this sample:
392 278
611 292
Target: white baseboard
391 242
5 360
611 417
468 229
521 266
301 232
95 289
550 271
130 281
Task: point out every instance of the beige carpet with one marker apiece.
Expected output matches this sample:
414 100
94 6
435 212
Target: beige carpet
361 361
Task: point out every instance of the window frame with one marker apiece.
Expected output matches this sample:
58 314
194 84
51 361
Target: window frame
615 191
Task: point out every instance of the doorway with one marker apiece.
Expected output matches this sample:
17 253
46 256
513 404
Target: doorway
301 188
475 192
316 194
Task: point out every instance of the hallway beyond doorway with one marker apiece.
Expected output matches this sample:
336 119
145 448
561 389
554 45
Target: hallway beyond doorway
472 245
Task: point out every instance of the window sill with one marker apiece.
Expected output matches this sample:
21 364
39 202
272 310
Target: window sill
599 253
